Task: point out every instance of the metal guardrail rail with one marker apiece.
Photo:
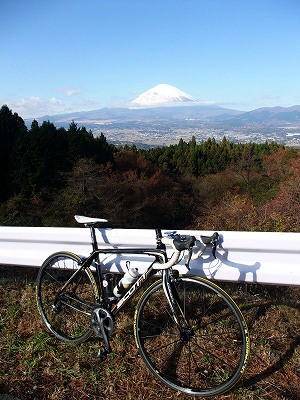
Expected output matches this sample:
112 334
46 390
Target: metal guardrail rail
253 257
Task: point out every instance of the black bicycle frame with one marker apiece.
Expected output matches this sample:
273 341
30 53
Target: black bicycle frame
174 300
160 255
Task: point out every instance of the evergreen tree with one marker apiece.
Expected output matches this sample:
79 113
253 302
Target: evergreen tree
103 151
42 153
11 127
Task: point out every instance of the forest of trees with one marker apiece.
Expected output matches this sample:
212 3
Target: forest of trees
48 174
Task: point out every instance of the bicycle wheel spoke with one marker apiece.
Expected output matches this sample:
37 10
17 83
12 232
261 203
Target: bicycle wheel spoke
157 335
208 356
213 354
67 313
164 346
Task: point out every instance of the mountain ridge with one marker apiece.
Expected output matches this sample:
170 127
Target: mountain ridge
165 102
269 114
209 113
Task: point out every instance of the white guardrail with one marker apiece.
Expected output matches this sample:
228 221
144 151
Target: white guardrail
253 257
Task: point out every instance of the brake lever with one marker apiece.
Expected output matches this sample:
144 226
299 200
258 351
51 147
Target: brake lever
188 258
214 244
214 248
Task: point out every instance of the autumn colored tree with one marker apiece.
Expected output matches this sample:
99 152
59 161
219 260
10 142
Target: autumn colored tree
48 174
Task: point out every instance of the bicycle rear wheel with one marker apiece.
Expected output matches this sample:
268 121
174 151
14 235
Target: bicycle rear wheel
66 313
210 356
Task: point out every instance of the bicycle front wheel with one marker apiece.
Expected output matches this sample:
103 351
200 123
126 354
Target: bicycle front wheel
66 312
209 357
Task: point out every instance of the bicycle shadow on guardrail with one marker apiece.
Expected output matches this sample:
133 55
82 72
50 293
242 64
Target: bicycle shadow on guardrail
206 266
119 262
210 266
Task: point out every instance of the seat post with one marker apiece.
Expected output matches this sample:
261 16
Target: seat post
93 237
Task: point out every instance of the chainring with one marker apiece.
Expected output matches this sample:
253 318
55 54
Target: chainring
101 316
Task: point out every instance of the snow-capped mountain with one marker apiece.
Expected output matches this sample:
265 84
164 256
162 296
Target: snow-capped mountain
162 95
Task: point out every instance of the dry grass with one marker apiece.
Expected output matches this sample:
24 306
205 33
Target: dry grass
34 365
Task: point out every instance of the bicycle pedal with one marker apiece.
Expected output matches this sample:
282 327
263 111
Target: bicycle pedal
102 355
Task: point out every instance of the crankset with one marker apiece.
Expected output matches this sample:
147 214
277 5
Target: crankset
102 323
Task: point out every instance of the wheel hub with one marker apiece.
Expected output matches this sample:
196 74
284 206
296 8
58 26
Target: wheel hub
187 335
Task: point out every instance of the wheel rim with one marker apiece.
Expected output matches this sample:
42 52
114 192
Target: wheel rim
209 356
65 314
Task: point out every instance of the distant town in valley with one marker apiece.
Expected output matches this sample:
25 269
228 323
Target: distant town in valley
151 134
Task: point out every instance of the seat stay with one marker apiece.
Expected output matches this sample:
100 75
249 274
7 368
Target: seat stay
84 265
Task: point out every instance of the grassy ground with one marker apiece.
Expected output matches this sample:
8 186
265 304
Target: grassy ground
34 365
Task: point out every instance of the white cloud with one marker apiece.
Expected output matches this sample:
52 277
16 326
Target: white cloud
33 107
55 100
297 99
70 91
268 97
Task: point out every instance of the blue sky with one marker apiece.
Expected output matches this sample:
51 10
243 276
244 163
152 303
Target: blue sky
70 55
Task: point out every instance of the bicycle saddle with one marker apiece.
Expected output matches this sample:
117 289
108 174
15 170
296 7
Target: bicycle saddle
88 220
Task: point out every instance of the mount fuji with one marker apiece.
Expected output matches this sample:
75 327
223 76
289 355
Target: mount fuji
163 95
163 103
159 114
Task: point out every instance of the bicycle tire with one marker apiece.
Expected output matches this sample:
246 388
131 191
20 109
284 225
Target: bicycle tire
212 360
66 314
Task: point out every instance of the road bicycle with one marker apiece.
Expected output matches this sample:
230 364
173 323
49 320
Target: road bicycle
189 332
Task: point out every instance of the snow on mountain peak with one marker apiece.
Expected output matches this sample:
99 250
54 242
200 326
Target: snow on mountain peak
162 94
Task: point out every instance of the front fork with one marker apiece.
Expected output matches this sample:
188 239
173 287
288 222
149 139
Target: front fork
169 278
